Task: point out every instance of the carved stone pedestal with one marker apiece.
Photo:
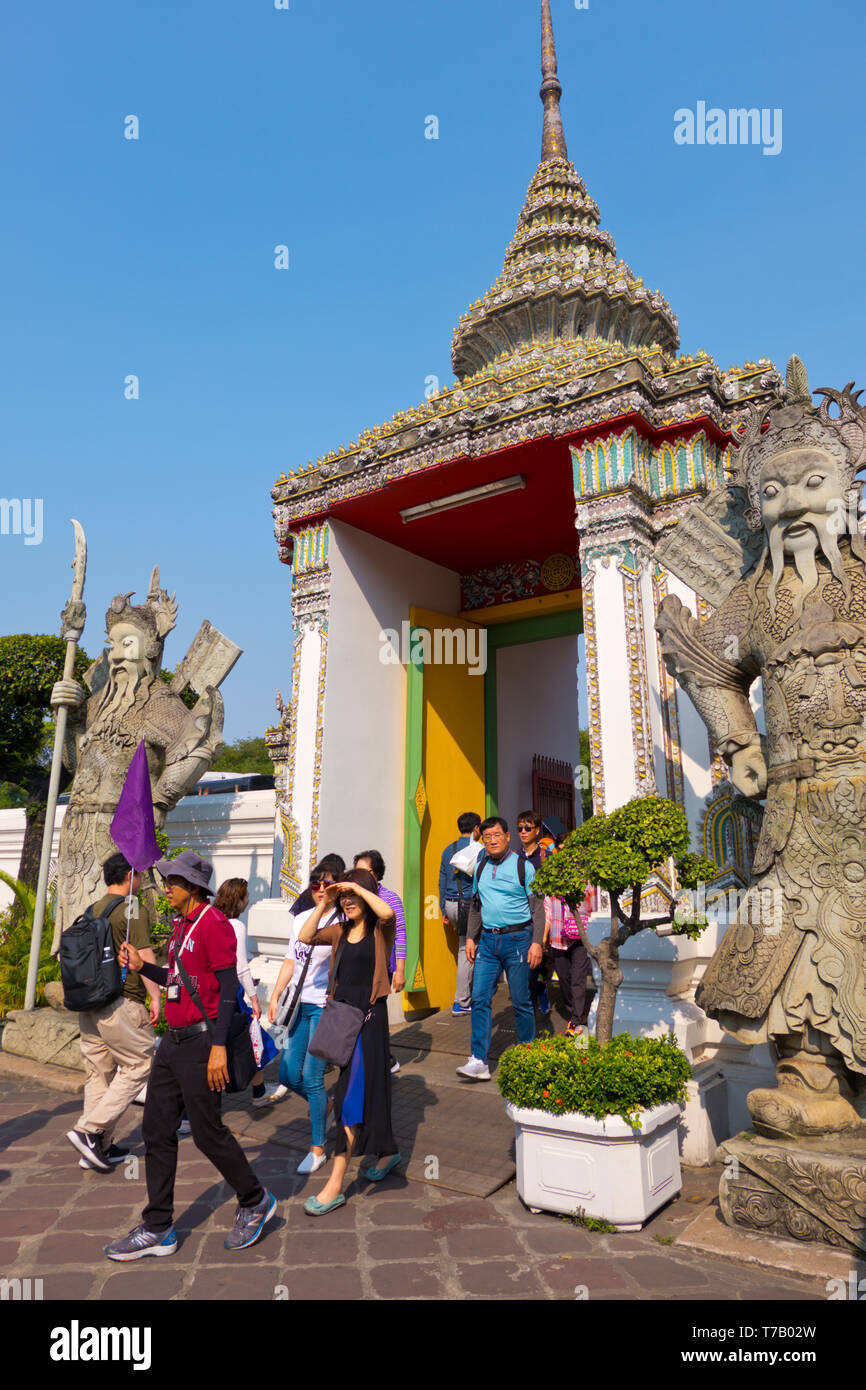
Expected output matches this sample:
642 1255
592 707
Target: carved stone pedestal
811 1190
44 1035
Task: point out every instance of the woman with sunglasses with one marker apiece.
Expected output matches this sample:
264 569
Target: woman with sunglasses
299 1070
364 936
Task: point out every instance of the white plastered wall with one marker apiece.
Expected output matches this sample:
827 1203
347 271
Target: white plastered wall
362 780
537 700
617 738
694 741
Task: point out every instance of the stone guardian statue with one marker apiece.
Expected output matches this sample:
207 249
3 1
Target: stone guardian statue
127 700
796 617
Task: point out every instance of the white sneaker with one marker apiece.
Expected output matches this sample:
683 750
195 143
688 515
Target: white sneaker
184 1127
279 1093
141 1097
270 1095
475 1070
312 1163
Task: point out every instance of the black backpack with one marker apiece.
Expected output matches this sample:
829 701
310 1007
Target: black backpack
89 968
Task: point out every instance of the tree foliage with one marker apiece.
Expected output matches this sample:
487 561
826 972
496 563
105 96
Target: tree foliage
245 755
618 853
29 666
188 695
16 930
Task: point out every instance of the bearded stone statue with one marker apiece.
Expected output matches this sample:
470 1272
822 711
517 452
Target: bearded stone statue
796 617
127 700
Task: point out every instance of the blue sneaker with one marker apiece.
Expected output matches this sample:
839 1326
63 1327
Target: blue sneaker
250 1222
459 1011
141 1242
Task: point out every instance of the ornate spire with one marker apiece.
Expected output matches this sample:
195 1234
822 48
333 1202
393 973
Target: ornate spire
553 136
561 280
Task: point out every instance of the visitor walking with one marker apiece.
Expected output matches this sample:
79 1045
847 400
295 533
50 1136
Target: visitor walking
506 929
233 899
362 940
455 898
117 1040
300 1071
191 1067
332 864
372 860
570 958
535 846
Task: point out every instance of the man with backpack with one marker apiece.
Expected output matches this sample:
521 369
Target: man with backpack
455 897
114 1015
506 930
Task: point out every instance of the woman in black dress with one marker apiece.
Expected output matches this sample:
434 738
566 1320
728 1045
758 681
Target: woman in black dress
363 936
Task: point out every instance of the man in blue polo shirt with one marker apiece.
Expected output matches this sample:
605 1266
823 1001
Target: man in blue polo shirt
506 935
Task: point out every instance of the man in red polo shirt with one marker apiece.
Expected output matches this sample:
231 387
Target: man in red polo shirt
191 1070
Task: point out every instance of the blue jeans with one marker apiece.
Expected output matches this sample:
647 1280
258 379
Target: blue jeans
303 1073
495 953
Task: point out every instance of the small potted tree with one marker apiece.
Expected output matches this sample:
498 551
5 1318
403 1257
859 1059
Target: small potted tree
597 1123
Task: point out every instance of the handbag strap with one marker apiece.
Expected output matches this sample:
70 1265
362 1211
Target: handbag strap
332 977
296 997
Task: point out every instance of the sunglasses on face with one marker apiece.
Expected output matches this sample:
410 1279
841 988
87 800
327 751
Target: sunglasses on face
321 882
527 827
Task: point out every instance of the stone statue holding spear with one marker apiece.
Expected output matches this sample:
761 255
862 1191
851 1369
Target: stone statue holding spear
99 728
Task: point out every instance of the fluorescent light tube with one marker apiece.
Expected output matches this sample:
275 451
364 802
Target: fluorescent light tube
462 499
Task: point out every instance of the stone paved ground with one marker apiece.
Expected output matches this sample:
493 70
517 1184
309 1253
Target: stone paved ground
399 1240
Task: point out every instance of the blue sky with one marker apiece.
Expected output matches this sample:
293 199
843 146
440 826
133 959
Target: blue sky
305 127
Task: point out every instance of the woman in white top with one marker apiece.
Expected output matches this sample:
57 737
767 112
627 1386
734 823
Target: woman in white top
299 1071
233 898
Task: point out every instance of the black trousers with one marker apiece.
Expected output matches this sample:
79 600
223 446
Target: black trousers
178 1083
570 966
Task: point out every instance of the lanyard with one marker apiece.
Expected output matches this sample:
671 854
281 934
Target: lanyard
175 955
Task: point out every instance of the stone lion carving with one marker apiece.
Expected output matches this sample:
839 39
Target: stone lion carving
796 617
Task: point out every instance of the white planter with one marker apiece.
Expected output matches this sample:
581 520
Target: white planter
604 1167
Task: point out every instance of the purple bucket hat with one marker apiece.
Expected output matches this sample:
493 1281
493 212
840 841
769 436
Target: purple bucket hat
188 866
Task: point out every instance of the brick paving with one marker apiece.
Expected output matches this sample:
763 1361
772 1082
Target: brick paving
401 1239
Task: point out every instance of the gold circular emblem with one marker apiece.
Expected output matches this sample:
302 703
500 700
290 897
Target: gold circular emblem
557 572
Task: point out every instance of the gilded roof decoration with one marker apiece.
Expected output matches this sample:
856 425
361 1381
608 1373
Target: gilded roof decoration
568 338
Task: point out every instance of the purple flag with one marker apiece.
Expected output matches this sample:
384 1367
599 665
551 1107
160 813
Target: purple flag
132 828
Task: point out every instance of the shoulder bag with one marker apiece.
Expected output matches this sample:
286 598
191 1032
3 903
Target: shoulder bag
338 1027
240 1057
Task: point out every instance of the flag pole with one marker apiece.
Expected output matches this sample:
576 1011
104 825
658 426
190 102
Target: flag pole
132 828
73 635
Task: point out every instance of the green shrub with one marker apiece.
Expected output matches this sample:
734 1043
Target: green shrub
621 1077
15 936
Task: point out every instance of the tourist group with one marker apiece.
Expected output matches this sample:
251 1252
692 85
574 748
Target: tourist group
346 954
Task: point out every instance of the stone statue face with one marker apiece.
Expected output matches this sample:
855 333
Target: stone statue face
797 492
125 646
128 666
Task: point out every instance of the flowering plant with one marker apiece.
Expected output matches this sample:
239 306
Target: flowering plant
621 1077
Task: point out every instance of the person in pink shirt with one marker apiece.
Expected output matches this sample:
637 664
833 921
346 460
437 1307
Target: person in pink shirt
570 959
